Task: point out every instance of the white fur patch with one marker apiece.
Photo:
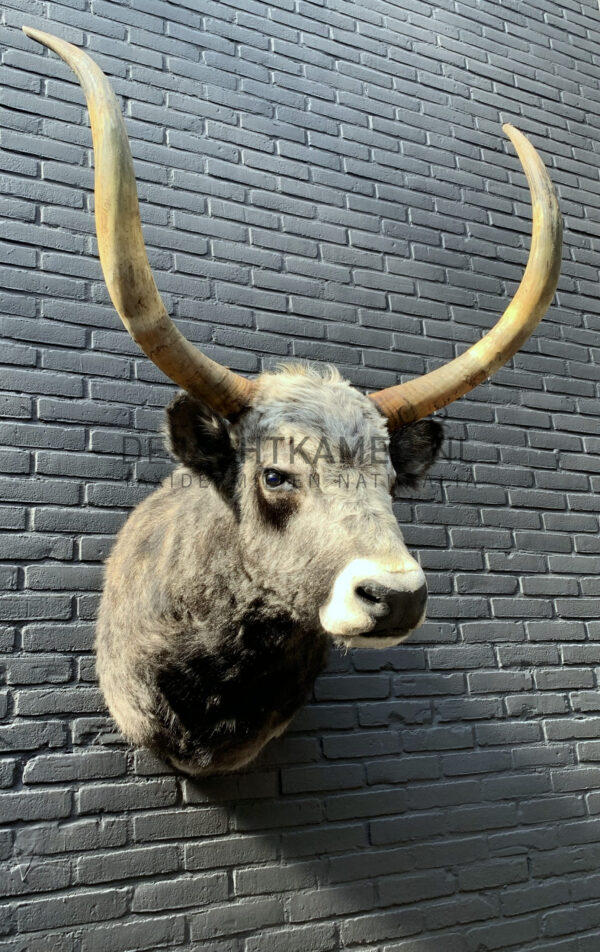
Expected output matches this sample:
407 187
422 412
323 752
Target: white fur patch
344 614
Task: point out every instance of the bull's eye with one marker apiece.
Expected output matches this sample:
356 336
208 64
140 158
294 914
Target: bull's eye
274 479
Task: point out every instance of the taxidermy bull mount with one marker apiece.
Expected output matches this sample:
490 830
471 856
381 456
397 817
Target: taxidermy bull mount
227 584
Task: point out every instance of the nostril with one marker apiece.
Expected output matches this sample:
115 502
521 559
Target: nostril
376 597
372 591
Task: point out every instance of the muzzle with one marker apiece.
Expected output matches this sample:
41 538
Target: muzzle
375 604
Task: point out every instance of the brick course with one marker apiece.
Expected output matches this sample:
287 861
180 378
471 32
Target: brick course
323 180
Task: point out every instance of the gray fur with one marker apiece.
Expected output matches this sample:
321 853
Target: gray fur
208 637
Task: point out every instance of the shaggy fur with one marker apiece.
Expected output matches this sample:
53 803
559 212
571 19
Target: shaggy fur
208 637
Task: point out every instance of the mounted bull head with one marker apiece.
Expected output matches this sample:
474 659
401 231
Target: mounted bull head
227 584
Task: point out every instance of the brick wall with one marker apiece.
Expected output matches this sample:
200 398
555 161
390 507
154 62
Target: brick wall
319 180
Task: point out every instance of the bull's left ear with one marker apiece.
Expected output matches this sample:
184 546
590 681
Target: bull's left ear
200 439
414 449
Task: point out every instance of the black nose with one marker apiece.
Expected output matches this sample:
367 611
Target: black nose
393 609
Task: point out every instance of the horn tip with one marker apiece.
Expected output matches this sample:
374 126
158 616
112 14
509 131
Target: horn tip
515 135
34 34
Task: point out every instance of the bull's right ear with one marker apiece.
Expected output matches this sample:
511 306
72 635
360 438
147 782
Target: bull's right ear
200 439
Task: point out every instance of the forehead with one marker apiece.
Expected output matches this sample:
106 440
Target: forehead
323 409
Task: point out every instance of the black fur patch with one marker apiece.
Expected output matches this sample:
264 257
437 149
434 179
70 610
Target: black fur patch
263 671
413 451
275 508
199 438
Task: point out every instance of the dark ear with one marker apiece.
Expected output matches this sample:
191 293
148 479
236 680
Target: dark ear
200 439
414 449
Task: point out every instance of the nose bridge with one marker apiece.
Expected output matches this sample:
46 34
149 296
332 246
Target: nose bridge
397 572
384 548
379 593
369 530
399 563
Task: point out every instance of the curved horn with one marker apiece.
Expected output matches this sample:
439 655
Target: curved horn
122 252
417 398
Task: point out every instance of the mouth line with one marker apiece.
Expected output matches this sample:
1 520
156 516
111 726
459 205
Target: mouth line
378 633
386 633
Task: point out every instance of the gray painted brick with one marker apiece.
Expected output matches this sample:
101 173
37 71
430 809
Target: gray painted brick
36 806
236 917
180 893
165 826
127 796
69 910
231 851
313 938
127 863
38 670
51 768
141 933
324 173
